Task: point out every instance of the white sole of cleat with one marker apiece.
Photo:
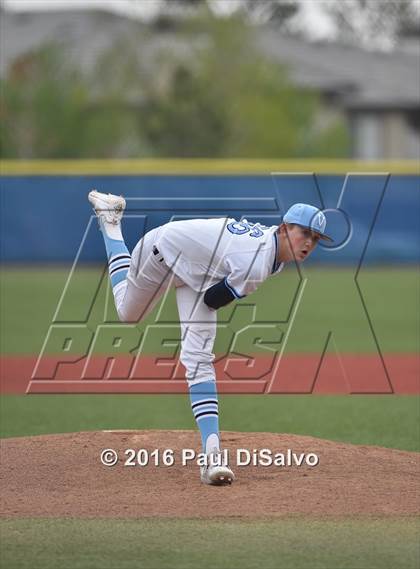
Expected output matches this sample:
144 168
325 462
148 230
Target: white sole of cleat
107 206
216 473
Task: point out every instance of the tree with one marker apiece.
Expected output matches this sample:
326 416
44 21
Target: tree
279 12
188 121
40 109
372 23
254 11
231 101
222 99
47 111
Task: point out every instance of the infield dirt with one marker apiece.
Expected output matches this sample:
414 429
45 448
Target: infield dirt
301 373
62 476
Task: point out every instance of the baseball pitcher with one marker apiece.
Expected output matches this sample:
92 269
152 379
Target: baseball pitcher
210 262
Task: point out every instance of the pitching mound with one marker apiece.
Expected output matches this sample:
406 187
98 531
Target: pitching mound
62 476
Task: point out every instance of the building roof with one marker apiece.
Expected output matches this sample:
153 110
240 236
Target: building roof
363 79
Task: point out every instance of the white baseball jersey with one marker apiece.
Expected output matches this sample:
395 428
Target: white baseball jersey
202 252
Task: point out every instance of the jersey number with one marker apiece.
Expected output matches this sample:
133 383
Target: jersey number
242 227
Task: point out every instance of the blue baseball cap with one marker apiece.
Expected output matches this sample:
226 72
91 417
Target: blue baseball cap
307 216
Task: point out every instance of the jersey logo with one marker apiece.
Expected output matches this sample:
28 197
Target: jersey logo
243 227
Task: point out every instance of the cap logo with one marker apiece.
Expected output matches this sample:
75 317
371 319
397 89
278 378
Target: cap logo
320 221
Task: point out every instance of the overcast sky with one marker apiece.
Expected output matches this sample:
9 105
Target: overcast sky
147 9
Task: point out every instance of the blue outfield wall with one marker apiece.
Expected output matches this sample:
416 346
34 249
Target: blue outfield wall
46 218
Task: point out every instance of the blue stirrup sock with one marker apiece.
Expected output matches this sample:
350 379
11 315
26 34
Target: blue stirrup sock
204 404
119 258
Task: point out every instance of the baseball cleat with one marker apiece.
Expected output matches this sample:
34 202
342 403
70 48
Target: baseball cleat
215 472
108 208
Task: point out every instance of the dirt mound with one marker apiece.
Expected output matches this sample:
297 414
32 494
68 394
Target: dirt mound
62 476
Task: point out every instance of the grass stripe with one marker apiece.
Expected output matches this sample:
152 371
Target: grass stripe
388 421
184 544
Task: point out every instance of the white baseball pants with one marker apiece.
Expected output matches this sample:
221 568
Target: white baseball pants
148 278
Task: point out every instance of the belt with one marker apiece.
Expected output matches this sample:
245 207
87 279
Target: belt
156 252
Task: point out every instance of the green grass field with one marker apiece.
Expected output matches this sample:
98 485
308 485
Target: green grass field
29 299
330 301
184 544
384 420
